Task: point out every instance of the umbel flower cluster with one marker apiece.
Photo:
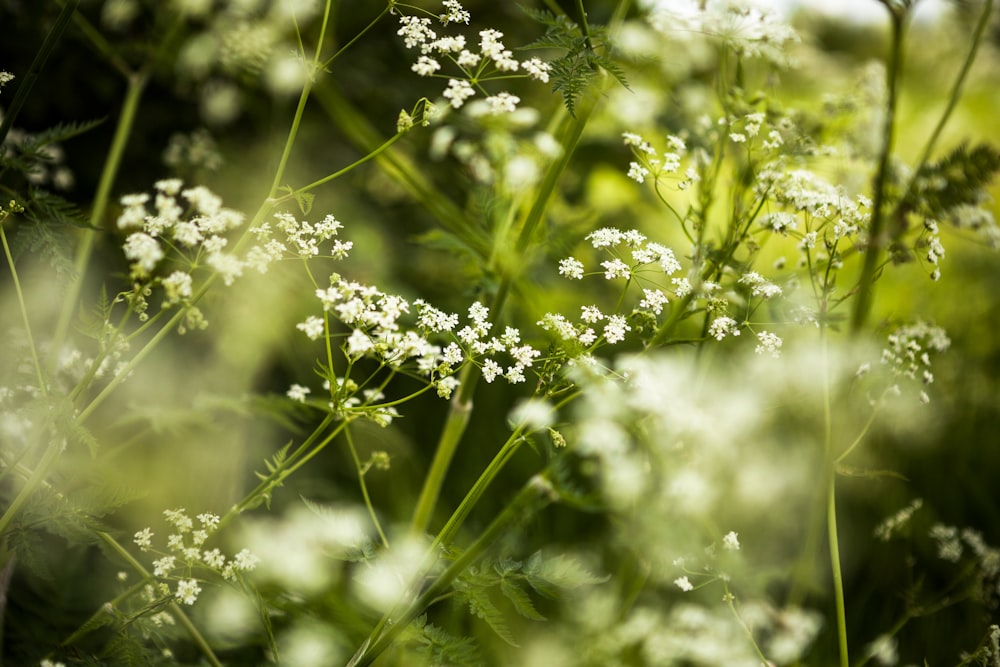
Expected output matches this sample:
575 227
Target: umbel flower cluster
187 554
473 67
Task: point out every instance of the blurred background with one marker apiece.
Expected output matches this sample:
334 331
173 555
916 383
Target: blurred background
186 430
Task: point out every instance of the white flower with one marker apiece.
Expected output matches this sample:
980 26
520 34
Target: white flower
187 591
298 393
163 566
456 13
537 69
615 268
654 300
723 326
637 172
614 330
425 66
604 237
491 370
144 251
458 91
144 539
534 413
768 342
571 268
177 287
731 541
591 314
312 327
684 584
503 103
415 31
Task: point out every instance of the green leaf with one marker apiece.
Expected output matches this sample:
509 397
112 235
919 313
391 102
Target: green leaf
549 574
481 606
442 648
520 599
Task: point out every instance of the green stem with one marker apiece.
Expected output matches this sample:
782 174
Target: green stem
175 608
364 487
130 106
877 239
357 163
831 507
730 600
451 434
458 418
953 98
52 452
48 46
361 34
42 385
534 496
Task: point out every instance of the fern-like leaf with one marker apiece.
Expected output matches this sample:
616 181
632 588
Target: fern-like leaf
442 648
584 57
957 179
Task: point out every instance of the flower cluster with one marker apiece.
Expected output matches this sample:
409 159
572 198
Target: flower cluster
191 219
648 162
633 259
191 227
377 331
909 350
750 30
491 60
186 552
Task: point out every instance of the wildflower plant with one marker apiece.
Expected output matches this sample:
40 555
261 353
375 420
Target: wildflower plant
480 361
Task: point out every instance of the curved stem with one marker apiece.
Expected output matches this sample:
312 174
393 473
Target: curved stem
364 487
42 384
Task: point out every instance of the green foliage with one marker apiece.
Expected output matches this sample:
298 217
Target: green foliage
438 647
576 69
959 178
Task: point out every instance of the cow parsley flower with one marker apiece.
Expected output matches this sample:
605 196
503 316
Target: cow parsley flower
458 91
723 326
571 268
187 591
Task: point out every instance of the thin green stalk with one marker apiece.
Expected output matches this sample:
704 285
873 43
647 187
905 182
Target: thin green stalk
42 384
364 487
877 239
112 163
382 14
28 82
340 172
533 496
954 96
831 508
730 600
38 476
175 608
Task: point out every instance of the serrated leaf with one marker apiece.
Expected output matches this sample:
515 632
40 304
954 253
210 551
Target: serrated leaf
520 599
548 574
482 607
442 648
